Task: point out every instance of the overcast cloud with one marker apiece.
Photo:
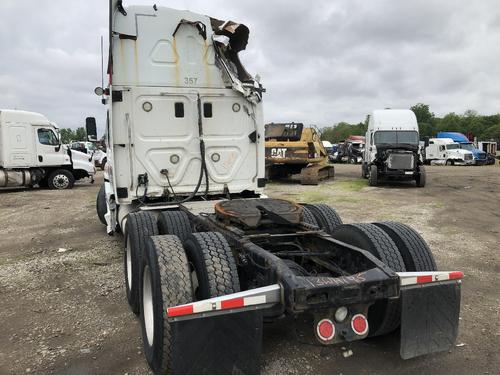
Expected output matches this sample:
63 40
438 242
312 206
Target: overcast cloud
321 61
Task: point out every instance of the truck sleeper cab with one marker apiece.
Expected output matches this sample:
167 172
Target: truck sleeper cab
31 153
393 150
206 256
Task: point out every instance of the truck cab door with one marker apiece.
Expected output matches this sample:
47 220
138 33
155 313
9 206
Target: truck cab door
370 149
49 151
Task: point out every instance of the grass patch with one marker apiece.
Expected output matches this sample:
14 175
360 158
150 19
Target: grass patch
438 204
352 185
341 199
315 196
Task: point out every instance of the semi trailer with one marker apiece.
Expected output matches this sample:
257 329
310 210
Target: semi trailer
207 256
31 153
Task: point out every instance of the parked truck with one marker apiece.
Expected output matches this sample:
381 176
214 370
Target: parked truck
31 153
350 150
97 156
207 256
392 147
480 157
446 151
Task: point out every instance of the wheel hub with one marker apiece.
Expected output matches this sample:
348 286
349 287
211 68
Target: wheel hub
129 264
61 181
147 305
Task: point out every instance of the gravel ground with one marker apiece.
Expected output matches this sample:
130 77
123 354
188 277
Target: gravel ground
64 310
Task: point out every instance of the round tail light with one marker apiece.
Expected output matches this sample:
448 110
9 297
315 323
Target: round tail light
325 329
359 324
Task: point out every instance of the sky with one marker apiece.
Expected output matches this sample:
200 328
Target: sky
321 61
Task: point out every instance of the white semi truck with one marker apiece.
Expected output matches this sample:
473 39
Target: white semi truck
96 155
31 153
392 147
446 151
207 256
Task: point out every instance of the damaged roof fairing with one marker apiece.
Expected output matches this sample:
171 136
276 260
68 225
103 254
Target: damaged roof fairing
227 37
230 38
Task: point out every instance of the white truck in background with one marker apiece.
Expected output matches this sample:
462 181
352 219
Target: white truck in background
31 153
446 151
98 156
393 147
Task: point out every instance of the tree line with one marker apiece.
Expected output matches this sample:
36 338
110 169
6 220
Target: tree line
484 128
68 135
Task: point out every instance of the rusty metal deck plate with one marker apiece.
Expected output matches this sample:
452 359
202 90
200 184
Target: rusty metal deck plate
254 212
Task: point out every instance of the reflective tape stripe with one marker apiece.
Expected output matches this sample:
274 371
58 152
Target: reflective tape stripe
254 297
413 278
233 303
180 310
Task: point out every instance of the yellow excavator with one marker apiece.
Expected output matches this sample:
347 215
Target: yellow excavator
296 152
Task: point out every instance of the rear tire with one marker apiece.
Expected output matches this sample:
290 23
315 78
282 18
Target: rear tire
326 217
416 254
309 217
140 226
364 174
420 179
384 315
212 261
176 223
165 282
100 205
61 179
373 178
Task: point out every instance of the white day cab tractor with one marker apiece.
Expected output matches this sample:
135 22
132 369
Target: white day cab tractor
392 148
446 151
31 153
207 257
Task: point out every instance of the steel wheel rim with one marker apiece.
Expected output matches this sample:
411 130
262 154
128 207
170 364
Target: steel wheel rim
147 305
129 264
61 181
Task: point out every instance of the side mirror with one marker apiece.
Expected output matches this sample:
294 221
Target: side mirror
91 129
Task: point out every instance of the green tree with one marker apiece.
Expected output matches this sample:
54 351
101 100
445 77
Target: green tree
80 134
67 135
423 114
342 130
451 122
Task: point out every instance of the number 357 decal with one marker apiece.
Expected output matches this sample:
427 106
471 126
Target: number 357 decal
190 80
278 152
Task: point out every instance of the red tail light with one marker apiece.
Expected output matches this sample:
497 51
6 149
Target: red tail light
359 324
325 330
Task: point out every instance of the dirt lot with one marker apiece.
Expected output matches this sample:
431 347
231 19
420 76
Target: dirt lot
63 307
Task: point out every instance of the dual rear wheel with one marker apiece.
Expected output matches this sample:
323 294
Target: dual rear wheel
399 247
171 266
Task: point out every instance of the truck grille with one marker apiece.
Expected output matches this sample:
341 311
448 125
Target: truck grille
468 157
400 161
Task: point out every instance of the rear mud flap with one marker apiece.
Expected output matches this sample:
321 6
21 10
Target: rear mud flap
429 318
225 344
